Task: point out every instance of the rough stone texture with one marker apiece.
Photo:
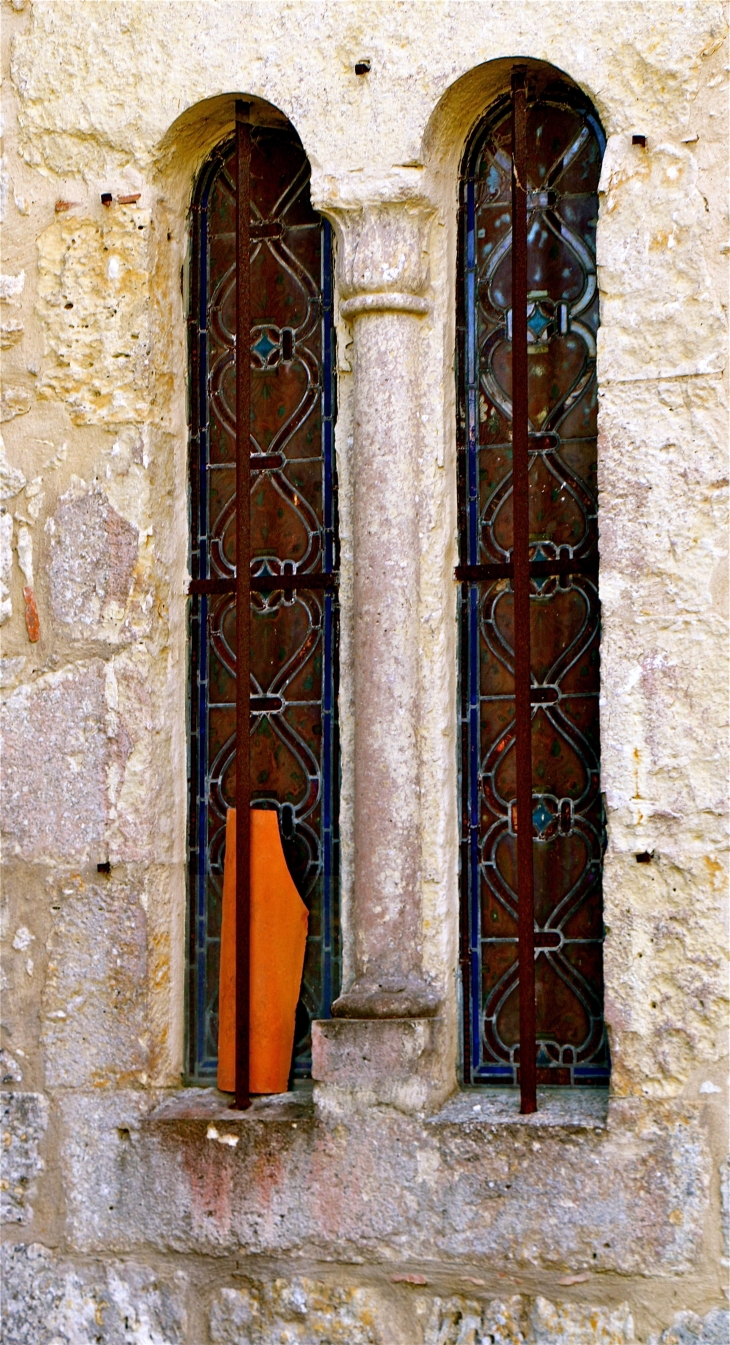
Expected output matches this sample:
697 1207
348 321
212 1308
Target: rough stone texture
95 1019
93 300
295 1313
61 810
397 1061
47 1301
129 98
23 1120
662 749
94 796
689 1329
385 1186
92 563
515 1320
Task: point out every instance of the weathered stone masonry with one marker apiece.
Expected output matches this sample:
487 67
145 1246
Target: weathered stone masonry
386 1208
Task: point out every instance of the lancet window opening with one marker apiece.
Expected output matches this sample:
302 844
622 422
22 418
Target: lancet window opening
528 313
261 430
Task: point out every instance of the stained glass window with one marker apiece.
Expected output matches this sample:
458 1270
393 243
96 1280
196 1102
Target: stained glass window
293 721
564 149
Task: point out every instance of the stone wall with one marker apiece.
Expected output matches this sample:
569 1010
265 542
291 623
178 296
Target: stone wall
387 1207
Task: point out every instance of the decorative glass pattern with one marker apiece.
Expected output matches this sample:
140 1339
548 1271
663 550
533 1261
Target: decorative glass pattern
294 751
565 146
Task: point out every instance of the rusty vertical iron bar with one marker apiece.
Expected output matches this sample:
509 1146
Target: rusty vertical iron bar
243 599
521 585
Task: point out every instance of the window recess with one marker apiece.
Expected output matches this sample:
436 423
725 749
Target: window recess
532 826
262 486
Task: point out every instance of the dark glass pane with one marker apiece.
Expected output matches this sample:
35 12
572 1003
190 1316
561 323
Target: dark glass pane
565 146
293 731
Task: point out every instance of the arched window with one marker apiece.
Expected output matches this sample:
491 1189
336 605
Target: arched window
561 149
292 558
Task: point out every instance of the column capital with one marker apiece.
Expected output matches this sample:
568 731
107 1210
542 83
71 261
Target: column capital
383 258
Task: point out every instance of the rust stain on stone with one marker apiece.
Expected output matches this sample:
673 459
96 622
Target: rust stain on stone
32 623
210 1178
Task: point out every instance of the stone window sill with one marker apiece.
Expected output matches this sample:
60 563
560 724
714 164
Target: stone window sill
562 1108
567 1108
207 1104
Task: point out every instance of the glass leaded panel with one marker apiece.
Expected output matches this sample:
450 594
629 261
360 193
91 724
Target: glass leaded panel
565 146
293 742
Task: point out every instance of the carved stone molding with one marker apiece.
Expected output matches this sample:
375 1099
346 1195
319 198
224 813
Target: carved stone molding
383 261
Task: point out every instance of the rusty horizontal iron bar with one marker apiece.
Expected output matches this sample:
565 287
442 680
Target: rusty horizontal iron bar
264 583
539 569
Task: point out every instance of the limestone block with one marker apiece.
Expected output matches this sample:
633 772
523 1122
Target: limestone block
689 1329
140 802
521 1321
55 806
23 1120
397 1061
94 1002
660 316
47 1301
666 989
631 1199
296 1312
663 501
94 552
579 1324
93 301
91 794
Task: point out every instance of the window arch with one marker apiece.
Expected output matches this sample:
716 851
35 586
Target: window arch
561 147
293 559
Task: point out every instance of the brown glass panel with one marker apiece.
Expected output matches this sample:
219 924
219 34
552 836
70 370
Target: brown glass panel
565 145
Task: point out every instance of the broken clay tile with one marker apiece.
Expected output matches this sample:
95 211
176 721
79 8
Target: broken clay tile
408 1279
129 200
33 625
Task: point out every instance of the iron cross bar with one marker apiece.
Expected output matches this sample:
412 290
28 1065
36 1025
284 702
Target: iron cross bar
539 569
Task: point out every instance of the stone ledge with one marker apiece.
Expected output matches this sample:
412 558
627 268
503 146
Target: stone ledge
208 1104
571 1108
558 1108
630 1198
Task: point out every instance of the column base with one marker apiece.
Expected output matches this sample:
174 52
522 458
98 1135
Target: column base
398 1062
406 997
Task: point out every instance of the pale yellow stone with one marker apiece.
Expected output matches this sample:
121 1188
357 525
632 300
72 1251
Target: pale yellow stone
94 305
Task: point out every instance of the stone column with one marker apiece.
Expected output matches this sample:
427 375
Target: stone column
383 273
